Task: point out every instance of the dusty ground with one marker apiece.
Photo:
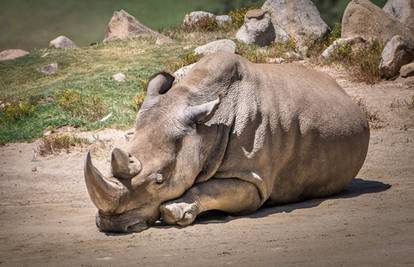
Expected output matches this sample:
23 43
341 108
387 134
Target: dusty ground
46 218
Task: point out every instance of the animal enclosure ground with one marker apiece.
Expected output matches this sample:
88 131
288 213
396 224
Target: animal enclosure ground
47 219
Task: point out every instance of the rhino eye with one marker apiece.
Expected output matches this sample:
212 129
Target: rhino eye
159 178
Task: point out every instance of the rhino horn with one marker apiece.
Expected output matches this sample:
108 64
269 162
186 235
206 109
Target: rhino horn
124 166
104 193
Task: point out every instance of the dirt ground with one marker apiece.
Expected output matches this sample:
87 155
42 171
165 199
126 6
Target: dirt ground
47 219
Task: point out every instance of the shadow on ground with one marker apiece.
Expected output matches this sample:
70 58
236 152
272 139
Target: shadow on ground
356 188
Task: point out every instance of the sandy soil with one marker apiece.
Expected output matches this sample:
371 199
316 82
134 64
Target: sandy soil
47 219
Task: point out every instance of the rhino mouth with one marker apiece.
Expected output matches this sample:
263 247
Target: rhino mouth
126 222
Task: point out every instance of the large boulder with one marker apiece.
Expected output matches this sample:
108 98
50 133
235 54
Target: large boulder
123 25
402 10
257 28
10 54
224 45
62 42
363 18
395 55
299 18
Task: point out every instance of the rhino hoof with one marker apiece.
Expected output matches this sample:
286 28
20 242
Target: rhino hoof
182 214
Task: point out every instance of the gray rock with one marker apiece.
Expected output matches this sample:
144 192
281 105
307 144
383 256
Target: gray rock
257 28
11 54
223 20
402 10
363 18
193 18
119 77
224 45
123 26
181 73
49 69
407 70
327 53
300 19
275 60
395 54
62 42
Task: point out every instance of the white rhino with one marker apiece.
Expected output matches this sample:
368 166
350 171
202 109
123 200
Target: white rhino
230 136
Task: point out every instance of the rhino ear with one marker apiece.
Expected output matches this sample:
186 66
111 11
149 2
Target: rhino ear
160 83
201 113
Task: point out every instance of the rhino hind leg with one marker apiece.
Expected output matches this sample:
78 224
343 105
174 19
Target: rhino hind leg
229 195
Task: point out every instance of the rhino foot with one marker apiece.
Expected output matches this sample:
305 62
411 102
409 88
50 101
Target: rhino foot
182 213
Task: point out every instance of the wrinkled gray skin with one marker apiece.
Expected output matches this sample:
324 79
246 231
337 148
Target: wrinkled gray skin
230 136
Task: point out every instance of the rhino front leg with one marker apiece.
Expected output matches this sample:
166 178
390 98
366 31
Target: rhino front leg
229 195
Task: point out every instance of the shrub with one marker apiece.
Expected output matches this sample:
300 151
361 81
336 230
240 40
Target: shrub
317 46
365 63
138 100
90 107
258 54
205 24
182 61
237 15
19 110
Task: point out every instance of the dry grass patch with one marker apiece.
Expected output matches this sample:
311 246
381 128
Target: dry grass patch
52 144
373 117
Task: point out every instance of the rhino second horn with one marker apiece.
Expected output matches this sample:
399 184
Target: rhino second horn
105 194
124 166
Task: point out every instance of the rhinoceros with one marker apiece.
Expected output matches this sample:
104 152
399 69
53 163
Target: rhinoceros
230 136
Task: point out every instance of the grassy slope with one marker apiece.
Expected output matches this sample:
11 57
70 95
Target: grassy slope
87 70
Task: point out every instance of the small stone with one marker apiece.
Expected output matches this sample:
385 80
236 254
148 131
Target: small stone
163 40
119 77
275 60
11 54
62 42
224 45
407 70
34 169
255 14
293 56
49 69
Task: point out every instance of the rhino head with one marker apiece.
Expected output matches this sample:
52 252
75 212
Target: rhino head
162 161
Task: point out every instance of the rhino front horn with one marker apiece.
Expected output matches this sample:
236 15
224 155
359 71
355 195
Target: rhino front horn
104 193
124 166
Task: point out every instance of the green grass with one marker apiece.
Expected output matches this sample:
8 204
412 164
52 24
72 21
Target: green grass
87 71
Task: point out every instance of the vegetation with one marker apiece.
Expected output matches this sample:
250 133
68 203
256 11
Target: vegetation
52 144
258 54
373 117
82 91
237 15
181 61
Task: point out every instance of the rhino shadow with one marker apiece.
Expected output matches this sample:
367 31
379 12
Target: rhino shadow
356 188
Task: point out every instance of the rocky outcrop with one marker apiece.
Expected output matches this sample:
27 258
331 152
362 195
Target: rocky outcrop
257 28
123 26
327 53
49 69
300 19
62 42
224 45
407 70
11 54
363 18
396 54
402 10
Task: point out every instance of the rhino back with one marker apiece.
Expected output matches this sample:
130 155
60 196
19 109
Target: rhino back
294 132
